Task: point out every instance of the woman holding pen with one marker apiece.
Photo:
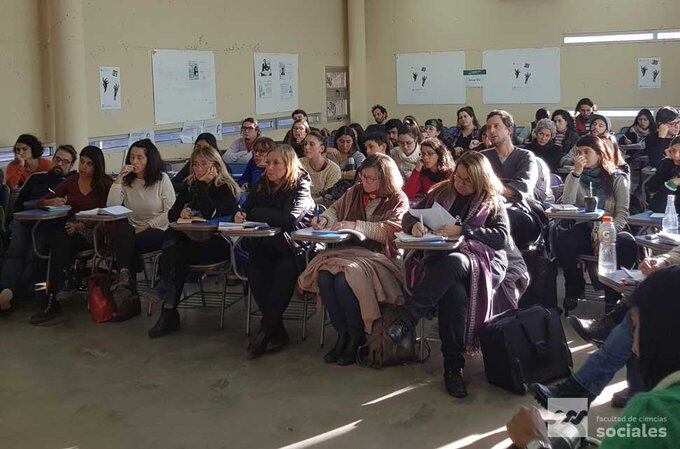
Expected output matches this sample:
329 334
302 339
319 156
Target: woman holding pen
459 284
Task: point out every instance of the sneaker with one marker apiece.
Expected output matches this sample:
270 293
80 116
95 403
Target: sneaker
333 355
594 331
52 311
168 322
568 388
454 382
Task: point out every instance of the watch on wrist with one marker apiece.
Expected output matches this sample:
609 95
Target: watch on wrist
538 444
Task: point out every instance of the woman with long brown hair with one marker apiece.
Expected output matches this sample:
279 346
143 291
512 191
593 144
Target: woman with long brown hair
281 198
435 165
459 284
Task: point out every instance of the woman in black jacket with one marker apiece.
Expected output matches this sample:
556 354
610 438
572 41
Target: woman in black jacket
281 198
668 126
209 192
666 179
566 135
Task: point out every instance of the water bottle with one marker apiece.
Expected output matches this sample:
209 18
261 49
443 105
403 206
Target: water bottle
350 164
670 218
606 262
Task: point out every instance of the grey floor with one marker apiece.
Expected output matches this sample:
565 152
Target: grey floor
87 385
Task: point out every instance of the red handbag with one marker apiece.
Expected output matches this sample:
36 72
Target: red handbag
99 298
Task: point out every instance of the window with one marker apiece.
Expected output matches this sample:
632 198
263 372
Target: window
621 37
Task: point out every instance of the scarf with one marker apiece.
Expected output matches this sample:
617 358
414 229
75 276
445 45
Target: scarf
641 133
432 176
593 175
412 158
368 197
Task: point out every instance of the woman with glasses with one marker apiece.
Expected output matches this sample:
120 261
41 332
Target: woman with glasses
668 126
459 284
354 278
209 192
297 135
435 165
281 198
142 187
257 164
28 159
407 154
240 151
86 190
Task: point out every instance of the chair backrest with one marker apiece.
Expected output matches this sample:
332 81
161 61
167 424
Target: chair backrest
624 130
555 180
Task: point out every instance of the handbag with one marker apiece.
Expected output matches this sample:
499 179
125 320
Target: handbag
101 304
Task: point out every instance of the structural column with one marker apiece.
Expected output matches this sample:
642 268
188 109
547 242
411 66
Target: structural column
356 36
67 38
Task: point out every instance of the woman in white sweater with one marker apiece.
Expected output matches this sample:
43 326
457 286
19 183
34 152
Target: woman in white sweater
142 187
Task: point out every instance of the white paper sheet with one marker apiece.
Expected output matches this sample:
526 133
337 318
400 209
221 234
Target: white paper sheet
139 134
109 87
435 217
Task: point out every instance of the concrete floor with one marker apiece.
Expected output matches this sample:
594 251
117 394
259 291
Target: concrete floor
88 385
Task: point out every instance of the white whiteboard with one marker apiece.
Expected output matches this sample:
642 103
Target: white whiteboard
276 82
183 86
431 78
527 75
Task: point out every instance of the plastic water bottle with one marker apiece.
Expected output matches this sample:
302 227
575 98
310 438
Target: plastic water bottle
670 218
606 262
350 166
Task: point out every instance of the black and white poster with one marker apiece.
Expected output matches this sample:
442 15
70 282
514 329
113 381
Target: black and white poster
109 87
649 73
276 82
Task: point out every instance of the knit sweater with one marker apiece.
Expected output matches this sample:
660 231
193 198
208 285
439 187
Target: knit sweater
324 178
419 183
615 205
149 206
518 171
237 153
372 230
406 163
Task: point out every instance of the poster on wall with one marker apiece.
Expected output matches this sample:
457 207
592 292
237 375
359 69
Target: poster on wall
183 86
276 82
431 78
524 75
109 87
649 73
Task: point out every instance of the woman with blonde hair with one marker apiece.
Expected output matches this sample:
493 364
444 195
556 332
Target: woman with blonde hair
281 198
208 192
354 278
459 284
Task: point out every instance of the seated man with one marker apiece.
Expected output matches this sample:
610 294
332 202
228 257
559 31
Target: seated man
518 170
655 413
614 354
18 268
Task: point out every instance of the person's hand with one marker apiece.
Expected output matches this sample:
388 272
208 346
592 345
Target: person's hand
245 187
74 226
239 217
458 150
651 264
55 201
332 152
626 141
676 180
419 165
185 214
418 230
474 143
209 175
344 225
407 175
140 229
349 174
319 222
663 130
450 231
527 425
19 160
579 165
127 169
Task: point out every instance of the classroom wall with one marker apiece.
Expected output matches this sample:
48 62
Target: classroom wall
604 72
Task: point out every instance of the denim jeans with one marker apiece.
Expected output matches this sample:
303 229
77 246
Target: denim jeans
614 354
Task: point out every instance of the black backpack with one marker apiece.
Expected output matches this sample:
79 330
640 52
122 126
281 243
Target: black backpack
542 270
524 346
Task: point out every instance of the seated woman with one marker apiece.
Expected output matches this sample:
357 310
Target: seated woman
297 135
435 165
643 125
377 143
208 192
566 135
484 142
460 284
594 166
203 140
540 114
142 187
257 164
354 279
600 126
346 147
407 154
281 198
324 173
28 159
666 179
543 145
86 190
467 134
240 150
668 123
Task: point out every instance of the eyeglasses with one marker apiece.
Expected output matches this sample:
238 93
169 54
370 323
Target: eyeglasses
368 178
430 128
62 161
467 181
201 164
407 144
247 128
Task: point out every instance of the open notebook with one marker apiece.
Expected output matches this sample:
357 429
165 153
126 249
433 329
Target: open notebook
223 225
113 210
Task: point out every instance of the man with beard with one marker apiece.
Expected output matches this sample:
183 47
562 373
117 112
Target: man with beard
18 268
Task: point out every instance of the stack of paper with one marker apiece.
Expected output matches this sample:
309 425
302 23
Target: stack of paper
563 207
404 237
673 239
435 217
223 225
112 210
63 208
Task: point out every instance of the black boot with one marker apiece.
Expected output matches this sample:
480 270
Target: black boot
349 354
569 304
454 382
52 311
594 331
279 338
168 322
332 355
258 345
568 388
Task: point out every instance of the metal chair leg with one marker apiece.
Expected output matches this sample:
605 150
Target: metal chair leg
305 300
249 298
224 298
322 333
421 331
200 286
